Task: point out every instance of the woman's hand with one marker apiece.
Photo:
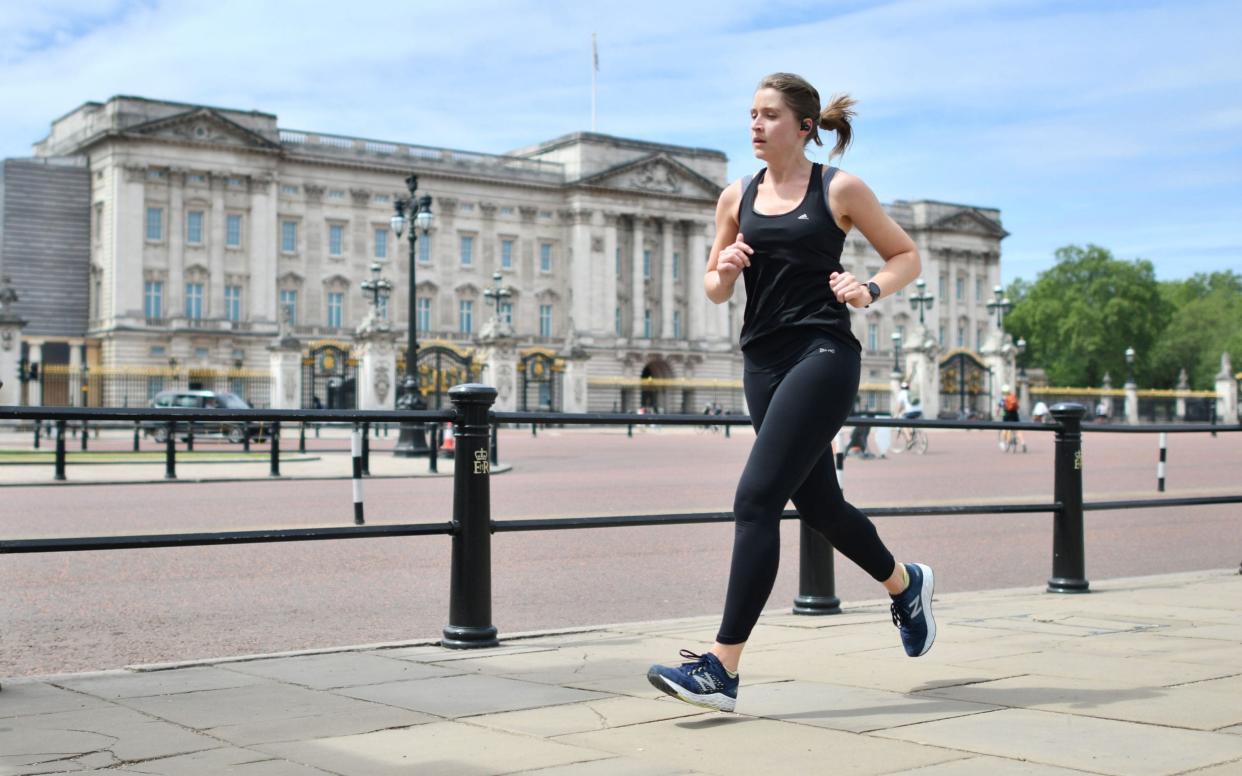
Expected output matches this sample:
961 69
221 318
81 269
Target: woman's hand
733 259
848 290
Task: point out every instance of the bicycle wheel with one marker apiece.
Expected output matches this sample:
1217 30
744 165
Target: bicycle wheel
901 441
918 441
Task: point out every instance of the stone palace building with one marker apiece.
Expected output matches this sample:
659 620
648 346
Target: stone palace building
177 237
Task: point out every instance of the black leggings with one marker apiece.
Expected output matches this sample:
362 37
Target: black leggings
797 405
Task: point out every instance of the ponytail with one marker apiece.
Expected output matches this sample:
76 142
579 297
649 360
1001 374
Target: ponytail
836 117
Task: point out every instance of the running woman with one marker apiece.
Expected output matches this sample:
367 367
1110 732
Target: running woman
782 230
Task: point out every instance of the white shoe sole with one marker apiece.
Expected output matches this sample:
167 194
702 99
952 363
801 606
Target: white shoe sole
717 701
925 598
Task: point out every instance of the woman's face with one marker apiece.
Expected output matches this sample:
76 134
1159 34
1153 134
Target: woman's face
774 129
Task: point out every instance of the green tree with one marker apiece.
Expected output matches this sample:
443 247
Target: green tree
1079 316
1206 321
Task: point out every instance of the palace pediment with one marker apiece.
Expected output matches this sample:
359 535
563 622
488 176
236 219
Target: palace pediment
657 174
970 221
203 126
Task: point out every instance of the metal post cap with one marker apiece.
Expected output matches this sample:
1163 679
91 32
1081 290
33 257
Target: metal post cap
1067 408
472 392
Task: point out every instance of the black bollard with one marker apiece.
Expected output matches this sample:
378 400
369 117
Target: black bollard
495 452
275 470
533 430
470 587
1068 554
60 450
38 432
137 431
84 435
629 431
246 438
817 585
170 452
434 438
366 449
189 437
302 437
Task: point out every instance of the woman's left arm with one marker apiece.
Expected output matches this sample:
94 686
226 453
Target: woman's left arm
856 205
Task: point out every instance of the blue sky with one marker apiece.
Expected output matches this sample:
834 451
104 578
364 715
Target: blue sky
1118 123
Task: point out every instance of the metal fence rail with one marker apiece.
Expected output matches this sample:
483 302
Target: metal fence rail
471 525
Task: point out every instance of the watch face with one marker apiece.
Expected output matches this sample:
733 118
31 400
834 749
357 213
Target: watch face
875 291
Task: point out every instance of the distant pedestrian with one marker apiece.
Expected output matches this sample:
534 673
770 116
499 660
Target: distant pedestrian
783 231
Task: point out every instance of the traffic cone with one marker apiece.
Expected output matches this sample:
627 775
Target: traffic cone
448 445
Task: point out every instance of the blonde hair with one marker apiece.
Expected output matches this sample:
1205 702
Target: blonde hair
803 100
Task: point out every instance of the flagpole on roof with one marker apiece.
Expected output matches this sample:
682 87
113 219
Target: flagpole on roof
594 72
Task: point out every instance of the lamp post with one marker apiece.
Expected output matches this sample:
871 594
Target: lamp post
896 352
497 293
1021 348
999 306
376 288
1130 366
921 300
412 443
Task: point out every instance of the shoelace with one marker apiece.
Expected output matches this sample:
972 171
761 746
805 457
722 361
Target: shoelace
900 616
699 662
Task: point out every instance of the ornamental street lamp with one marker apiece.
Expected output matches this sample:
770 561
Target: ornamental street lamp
497 293
412 442
1130 366
999 306
376 288
921 300
1021 348
897 352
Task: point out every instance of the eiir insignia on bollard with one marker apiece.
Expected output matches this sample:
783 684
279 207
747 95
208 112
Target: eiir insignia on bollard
481 464
1078 459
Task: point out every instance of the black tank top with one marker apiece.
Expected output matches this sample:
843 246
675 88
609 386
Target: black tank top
787 291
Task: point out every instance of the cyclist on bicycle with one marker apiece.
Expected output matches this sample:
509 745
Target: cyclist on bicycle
1009 410
907 407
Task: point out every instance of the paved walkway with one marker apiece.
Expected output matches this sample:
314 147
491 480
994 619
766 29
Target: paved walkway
1142 676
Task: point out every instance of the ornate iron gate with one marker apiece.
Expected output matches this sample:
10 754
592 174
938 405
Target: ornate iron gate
329 374
540 374
964 389
439 368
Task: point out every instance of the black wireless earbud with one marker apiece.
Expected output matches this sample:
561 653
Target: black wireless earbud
806 126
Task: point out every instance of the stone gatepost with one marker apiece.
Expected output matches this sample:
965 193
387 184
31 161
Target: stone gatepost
496 353
286 370
1106 399
10 345
574 378
1226 392
1183 384
923 371
1132 407
377 360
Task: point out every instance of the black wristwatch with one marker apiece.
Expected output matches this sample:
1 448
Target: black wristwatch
874 290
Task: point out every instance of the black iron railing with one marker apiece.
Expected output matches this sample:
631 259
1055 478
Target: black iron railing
471 526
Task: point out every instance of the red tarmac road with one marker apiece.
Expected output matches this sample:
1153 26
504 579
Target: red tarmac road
94 610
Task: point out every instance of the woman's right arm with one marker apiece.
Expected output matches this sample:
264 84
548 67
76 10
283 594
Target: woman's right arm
729 253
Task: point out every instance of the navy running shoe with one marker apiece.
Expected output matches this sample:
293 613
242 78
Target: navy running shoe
703 681
912 611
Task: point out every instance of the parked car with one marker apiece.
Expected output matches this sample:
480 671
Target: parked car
234 431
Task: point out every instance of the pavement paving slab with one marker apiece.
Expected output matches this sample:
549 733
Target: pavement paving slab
1191 706
1072 741
464 696
341 669
272 711
747 745
440 748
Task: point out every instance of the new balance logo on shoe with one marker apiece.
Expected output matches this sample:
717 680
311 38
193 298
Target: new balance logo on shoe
916 608
707 683
804 217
